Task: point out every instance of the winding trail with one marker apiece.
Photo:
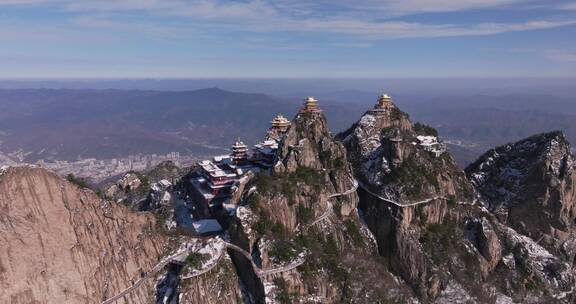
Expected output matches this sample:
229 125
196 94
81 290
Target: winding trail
327 212
301 259
178 256
330 207
153 271
412 204
266 272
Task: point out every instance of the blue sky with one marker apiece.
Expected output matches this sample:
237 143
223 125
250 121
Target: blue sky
287 38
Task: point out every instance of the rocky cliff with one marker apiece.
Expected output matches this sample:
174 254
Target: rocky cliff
377 214
304 214
63 244
431 225
421 226
535 176
406 190
388 158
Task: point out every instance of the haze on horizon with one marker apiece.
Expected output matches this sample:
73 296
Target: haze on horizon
294 39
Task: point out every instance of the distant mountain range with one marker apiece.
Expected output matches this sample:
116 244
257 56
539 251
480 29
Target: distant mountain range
71 124
483 121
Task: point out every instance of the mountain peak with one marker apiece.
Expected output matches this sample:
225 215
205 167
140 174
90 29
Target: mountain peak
535 175
399 160
549 153
308 142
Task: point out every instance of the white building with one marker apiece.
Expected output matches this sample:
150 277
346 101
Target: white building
432 145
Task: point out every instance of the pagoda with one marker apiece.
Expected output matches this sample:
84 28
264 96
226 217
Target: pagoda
239 153
310 106
280 123
384 104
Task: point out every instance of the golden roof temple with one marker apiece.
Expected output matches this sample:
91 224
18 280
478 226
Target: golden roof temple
384 104
280 123
310 106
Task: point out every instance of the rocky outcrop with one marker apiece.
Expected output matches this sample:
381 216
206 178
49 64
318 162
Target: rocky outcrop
63 244
405 189
531 185
422 232
388 159
219 285
306 209
144 191
309 144
489 244
436 240
481 233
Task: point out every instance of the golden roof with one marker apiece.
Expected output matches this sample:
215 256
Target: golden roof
280 120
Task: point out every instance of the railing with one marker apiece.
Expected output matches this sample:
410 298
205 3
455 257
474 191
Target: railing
411 204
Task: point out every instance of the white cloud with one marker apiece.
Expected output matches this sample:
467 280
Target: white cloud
392 30
119 5
217 7
561 55
298 16
569 6
424 6
446 5
22 2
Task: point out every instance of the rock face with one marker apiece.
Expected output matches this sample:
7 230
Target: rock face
309 144
404 189
388 159
63 244
378 214
220 285
144 191
431 226
481 233
531 185
306 209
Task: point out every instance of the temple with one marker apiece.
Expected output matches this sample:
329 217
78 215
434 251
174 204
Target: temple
217 180
279 126
383 105
310 106
280 123
432 145
263 154
239 154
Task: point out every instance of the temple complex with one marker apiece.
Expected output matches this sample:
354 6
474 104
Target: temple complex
310 106
216 181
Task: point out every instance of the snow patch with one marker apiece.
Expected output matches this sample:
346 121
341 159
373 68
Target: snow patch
455 293
246 217
206 226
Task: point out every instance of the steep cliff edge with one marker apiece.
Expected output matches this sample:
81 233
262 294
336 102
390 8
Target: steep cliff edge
411 195
535 176
399 161
309 146
304 214
377 214
430 221
63 244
